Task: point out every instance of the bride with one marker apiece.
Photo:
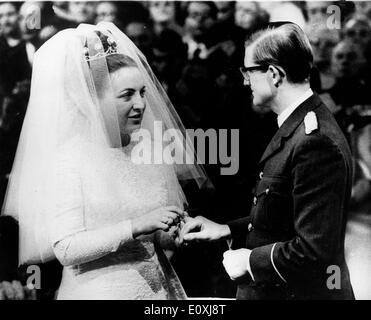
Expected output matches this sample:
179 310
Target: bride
75 189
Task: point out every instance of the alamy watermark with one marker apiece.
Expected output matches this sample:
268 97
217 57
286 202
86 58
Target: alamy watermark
334 19
334 280
34 278
32 17
170 147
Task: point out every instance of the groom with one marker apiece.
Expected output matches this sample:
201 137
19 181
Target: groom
295 230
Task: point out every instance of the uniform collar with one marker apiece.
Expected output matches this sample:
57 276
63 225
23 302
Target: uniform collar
290 125
290 109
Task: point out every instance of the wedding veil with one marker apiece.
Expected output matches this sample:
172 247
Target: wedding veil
68 99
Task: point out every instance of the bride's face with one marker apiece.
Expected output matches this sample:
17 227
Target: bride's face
129 91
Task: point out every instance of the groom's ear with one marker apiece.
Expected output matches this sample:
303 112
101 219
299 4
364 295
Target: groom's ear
276 75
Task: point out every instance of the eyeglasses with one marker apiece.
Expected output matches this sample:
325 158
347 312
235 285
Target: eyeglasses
247 70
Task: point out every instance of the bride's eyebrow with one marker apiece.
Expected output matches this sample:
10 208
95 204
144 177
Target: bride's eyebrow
131 90
126 90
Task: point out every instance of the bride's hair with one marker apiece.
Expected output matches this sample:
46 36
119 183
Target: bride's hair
115 61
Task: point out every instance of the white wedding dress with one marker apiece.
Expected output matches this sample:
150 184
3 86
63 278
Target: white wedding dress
97 194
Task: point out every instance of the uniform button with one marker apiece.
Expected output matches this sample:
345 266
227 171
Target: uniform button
255 201
250 227
267 191
261 174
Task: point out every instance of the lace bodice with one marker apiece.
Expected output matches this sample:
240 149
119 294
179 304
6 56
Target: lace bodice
98 193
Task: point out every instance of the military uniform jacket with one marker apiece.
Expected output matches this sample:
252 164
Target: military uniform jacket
296 226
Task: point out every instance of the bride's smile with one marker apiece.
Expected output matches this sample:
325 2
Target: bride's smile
129 91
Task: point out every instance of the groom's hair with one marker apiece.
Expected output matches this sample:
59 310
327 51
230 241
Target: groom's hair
283 44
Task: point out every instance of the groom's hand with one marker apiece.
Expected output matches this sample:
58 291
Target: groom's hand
203 229
237 263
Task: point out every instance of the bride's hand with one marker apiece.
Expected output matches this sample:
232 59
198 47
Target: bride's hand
160 219
176 231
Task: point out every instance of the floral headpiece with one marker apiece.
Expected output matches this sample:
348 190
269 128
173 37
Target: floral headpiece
111 49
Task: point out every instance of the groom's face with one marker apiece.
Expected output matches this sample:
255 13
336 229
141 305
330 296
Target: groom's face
259 82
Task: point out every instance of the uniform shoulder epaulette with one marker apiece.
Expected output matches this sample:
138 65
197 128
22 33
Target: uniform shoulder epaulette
310 122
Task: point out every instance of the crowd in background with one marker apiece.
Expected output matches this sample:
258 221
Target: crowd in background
195 50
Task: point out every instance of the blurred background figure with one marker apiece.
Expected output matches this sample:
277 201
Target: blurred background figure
206 36
169 55
210 62
317 12
323 40
107 11
250 16
9 19
351 87
225 11
82 11
199 21
30 25
363 8
15 74
73 13
233 36
38 22
358 30
12 46
165 15
141 33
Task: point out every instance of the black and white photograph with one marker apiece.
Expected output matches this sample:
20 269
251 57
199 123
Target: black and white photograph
203 151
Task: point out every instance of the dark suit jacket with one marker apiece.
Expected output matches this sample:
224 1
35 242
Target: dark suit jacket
296 226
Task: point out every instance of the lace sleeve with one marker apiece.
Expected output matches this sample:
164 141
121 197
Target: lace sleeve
86 246
72 243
